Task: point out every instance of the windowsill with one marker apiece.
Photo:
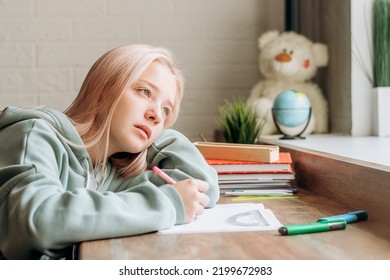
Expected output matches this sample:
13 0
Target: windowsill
348 172
365 150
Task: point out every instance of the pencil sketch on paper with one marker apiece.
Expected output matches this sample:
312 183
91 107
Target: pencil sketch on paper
229 218
247 219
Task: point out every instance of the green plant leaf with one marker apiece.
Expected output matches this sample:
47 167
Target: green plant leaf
381 42
239 122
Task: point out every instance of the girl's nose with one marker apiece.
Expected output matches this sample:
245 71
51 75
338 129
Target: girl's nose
153 114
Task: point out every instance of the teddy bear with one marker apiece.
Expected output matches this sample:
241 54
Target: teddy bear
289 60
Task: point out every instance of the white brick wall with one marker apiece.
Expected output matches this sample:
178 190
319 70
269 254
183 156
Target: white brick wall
47 46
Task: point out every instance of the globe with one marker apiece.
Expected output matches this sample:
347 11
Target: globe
291 112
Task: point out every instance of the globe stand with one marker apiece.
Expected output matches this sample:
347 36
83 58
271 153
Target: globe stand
286 137
291 137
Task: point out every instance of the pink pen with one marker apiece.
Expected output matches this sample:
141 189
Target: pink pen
163 175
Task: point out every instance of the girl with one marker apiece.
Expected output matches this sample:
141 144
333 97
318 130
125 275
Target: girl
85 174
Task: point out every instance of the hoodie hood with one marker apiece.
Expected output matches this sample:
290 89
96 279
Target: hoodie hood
55 118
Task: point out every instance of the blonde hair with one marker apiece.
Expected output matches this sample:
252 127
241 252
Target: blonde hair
92 110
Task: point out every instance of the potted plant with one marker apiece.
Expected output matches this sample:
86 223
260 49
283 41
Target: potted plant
381 67
239 122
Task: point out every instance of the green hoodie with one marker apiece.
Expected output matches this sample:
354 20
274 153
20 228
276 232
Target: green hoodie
45 207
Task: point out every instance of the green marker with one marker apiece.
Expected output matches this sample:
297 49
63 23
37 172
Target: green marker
313 227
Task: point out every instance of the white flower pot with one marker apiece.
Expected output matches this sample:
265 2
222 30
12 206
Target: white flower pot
381 111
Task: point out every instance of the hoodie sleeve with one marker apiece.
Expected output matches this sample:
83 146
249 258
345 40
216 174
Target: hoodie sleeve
181 160
43 212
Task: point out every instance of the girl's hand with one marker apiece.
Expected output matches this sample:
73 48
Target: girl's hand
192 192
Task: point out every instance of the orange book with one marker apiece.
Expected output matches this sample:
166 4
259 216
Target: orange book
224 166
233 151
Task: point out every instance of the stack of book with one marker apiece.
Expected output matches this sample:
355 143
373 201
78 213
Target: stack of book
250 169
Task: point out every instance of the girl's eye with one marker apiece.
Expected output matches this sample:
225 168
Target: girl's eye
145 92
166 111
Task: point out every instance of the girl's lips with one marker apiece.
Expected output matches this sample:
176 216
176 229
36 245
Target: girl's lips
145 129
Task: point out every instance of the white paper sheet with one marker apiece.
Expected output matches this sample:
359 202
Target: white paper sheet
229 218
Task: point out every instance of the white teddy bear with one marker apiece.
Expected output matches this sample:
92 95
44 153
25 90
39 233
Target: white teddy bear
288 61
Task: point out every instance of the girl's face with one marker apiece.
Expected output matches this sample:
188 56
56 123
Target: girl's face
140 115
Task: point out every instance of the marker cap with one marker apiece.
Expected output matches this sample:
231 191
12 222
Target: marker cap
351 217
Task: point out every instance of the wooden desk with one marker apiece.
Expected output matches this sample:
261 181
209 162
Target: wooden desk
347 182
356 242
329 185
